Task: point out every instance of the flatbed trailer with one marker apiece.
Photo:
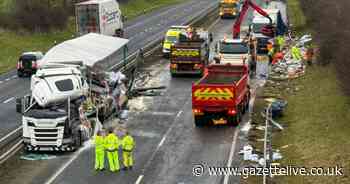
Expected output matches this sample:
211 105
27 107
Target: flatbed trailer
221 96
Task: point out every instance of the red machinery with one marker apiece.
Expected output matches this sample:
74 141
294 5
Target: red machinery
268 30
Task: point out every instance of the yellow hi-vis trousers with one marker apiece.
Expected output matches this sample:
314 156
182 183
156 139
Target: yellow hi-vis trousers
99 159
127 158
113 160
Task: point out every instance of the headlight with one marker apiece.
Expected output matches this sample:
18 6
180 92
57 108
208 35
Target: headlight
29 123
60 124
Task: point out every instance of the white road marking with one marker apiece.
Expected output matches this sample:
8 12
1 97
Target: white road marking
7 79
9 100
178 114
232 152
162 141
11 133
76 155
163 113
138 181
1 82
233 146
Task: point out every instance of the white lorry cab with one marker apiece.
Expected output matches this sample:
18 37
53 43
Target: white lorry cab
233 51
52 118
99 16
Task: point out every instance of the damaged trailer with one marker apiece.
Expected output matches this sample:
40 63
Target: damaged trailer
52 115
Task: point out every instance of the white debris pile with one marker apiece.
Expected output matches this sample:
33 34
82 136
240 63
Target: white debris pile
289 67
249 155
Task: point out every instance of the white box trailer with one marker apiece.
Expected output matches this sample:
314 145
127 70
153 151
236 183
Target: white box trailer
99 16
50 114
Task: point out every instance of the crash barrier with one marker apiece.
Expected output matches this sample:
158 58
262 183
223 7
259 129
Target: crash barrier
10 144
150 48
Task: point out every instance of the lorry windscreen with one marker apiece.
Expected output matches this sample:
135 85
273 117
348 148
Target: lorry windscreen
257 27
228 5
171 39
233 48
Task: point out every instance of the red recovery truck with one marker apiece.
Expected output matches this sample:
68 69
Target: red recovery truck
221 96
190 55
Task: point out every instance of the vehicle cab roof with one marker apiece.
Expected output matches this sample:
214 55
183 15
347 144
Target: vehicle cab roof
230 40
93 2
36 54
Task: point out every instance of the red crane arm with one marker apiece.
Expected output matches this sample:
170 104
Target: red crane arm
245 7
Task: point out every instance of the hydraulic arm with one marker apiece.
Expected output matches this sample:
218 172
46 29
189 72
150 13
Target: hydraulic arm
245 7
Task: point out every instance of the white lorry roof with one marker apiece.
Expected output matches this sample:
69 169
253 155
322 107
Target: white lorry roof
261 20
92 2
90 49
272 13
226 40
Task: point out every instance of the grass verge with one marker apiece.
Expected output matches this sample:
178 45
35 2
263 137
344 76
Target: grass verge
316 120
14 43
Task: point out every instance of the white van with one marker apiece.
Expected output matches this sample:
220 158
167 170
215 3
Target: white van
99 16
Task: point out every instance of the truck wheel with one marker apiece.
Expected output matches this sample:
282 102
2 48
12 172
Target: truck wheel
19 74
77 140
238 115
198 121
246 107
173 74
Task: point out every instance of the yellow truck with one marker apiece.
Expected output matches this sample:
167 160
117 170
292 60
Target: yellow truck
229 8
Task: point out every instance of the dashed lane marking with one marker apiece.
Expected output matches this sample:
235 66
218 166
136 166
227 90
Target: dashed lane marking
139 179
232 152
76 155
7 79
9 100
162 141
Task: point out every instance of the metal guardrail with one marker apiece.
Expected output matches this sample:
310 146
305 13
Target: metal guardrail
12 142
155 44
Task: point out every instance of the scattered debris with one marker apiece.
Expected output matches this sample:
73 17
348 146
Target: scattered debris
276 155
285 146
260 127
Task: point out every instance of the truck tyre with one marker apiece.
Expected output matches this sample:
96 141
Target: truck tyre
238 115
173 74
198 122
19 74
77 140
246 107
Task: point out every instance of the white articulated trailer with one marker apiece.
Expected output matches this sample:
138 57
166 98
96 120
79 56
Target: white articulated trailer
99 16
51 114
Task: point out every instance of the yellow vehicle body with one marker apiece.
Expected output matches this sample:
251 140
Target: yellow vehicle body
228 8
171 37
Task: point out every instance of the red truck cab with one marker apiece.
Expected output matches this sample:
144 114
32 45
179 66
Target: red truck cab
221 96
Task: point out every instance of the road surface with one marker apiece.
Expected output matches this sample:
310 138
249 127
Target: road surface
168 143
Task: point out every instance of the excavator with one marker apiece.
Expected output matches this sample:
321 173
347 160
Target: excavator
267 30
233 50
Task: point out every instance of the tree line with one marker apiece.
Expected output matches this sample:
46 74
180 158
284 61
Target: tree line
37 15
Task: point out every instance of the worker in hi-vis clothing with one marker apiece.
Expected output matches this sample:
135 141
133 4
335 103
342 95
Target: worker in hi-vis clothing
100 144
296 53
112 151
128 145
